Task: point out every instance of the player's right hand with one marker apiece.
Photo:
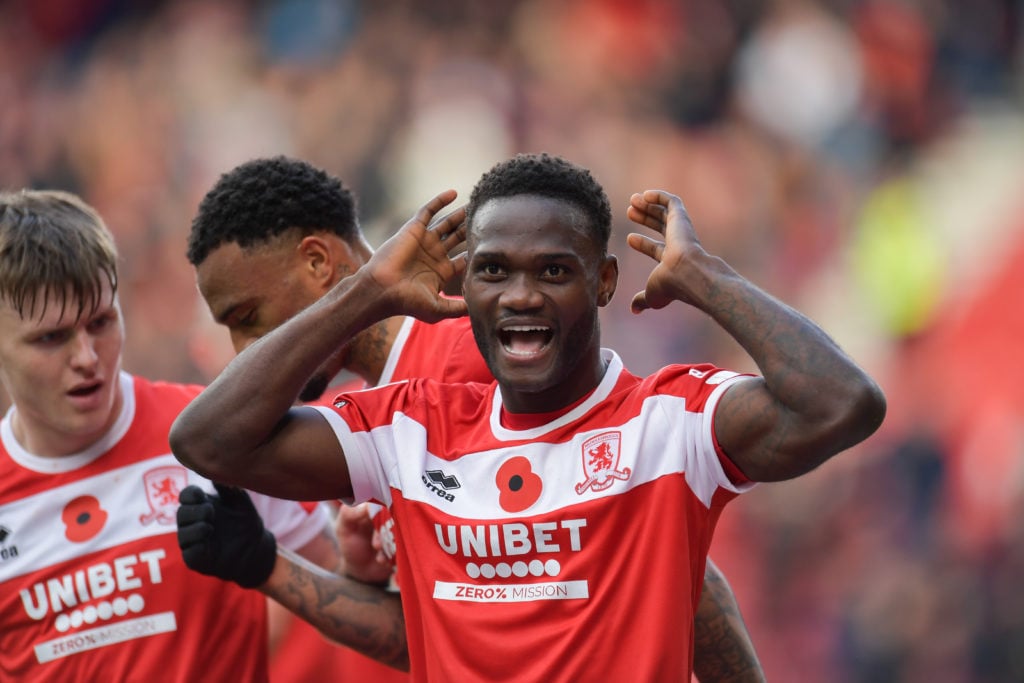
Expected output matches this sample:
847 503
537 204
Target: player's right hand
363 561
412 267
223 536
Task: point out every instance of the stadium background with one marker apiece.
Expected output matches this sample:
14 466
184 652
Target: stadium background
860 159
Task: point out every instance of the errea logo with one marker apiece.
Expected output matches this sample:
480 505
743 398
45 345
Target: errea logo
440 483
7 551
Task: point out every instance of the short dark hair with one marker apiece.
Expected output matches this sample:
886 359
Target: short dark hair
263 198
54 248
547 176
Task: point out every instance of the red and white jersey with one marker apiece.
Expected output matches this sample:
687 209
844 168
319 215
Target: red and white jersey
92 583
571 550
444 351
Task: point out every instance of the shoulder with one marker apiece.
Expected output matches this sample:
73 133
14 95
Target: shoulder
417 397
153 399
693 382
442 331
445 351
167 391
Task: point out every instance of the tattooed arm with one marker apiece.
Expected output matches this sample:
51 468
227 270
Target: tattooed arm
723 651
364 617
811 401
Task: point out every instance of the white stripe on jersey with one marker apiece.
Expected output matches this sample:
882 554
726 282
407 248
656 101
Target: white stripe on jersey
131 514
126 506
663 439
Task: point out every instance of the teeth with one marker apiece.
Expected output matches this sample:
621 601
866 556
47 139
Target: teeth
525 328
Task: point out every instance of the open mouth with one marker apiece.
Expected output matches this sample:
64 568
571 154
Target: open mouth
525 340
86 390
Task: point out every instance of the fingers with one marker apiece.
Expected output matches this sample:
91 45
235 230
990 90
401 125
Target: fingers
194 514
191 495
449 223
232 496
194 533
197 557
653 208
354 517
427 212
451 230
648 210
645 245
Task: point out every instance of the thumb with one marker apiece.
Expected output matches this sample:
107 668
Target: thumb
639 302
452 308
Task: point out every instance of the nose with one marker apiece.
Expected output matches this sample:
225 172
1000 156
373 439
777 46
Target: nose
83 351
520 294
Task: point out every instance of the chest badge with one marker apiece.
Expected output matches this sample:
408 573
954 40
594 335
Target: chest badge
163 484
601 462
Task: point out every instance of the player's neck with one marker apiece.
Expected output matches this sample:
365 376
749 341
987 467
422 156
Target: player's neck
46 440
370 349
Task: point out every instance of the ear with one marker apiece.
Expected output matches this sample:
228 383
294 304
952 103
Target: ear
609 279
327 258
315 254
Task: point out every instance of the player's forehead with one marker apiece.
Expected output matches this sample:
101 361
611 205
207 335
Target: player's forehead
53 307
530 226
233 276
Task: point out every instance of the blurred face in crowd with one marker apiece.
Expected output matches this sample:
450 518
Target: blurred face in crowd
253 290
534 281
62 370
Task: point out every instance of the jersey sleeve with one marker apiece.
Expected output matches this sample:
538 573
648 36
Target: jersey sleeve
701 387
294 524
365 423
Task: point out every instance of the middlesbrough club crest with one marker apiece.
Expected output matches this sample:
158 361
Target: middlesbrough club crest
163 484
601 462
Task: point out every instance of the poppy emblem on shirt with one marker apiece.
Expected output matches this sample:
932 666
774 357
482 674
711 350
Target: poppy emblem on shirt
518 485
601 462
83 518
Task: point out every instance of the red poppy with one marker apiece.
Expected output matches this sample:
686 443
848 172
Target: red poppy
84 518
518 485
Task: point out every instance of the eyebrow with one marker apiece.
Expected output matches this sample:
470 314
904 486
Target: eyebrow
504 255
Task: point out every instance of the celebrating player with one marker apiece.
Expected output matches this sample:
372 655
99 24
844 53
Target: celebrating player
566 470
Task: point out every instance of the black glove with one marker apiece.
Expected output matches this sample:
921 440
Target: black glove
223 536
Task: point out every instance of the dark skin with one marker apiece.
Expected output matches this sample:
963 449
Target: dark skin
252 291
362 616
723 651
811 402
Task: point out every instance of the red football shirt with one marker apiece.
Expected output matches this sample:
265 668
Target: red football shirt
561 551
92 583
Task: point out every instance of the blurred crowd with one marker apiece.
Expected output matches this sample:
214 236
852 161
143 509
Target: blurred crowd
859 159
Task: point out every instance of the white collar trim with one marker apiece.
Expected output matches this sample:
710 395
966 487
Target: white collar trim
69 463
608 382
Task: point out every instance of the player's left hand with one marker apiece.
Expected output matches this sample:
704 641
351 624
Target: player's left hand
676 255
